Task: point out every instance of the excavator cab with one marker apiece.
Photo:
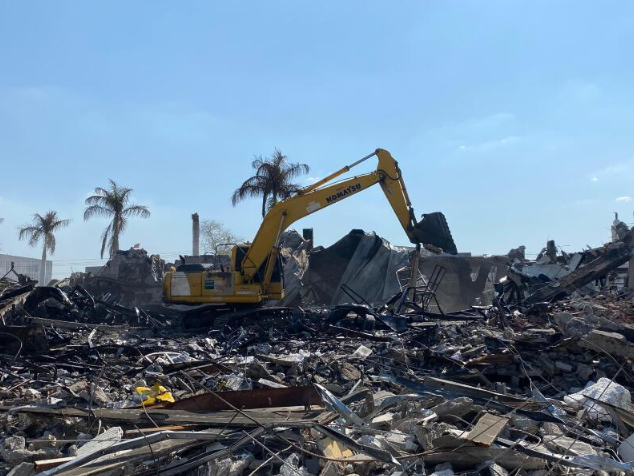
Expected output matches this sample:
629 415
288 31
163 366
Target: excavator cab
276 285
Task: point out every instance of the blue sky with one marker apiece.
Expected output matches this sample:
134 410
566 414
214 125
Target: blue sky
514 118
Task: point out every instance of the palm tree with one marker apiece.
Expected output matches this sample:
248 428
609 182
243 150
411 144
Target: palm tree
44 228
272 180
113 203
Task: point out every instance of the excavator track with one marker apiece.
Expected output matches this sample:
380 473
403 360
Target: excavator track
215 318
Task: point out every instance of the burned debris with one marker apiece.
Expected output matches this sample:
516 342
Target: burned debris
376 270
382 363
131 277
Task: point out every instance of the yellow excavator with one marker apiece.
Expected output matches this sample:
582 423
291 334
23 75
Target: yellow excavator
255 272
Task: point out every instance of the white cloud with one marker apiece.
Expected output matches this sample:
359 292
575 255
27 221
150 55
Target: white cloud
612 171
624 198
490 145
311 180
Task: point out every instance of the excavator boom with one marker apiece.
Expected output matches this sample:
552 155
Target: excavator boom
317 197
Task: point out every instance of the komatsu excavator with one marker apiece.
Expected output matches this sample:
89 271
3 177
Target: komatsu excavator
255 272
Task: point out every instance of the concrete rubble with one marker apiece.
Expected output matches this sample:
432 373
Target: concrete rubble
507 366
131 277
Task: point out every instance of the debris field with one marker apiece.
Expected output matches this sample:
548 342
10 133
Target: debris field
532 377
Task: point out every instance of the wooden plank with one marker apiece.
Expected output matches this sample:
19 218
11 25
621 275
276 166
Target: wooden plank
44 464
249 399
464 459
79 325
470 391
148 431
127 458
487 429
290 415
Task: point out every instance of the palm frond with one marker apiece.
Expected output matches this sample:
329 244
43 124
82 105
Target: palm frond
52 225
295 169
31 233
258 161
96 200
97 210
278 157
288 189
136 210
104 238
124 195
56 223
252 187
272 179
100 191
43 227
113 203
50 242
121 193
255 181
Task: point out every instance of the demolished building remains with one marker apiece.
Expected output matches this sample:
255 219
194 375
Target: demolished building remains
479 365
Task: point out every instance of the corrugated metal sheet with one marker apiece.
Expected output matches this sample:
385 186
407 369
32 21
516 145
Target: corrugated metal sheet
24 265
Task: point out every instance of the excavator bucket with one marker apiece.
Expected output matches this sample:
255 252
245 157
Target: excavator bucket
433 230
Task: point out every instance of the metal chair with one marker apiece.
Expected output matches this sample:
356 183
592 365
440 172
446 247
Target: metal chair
419 297
428 293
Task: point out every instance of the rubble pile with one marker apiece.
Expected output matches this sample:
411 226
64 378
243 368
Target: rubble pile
337 391
131 277
372 267
368 383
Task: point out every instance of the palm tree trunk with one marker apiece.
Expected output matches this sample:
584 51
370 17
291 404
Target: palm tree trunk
43 267
264 197
116 227
115 243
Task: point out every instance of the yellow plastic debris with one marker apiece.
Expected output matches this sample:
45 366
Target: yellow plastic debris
155 394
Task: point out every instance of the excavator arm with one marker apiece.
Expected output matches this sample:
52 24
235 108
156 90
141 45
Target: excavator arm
265 246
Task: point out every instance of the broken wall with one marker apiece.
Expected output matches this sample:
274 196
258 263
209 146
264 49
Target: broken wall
131 277
368 264
469 281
